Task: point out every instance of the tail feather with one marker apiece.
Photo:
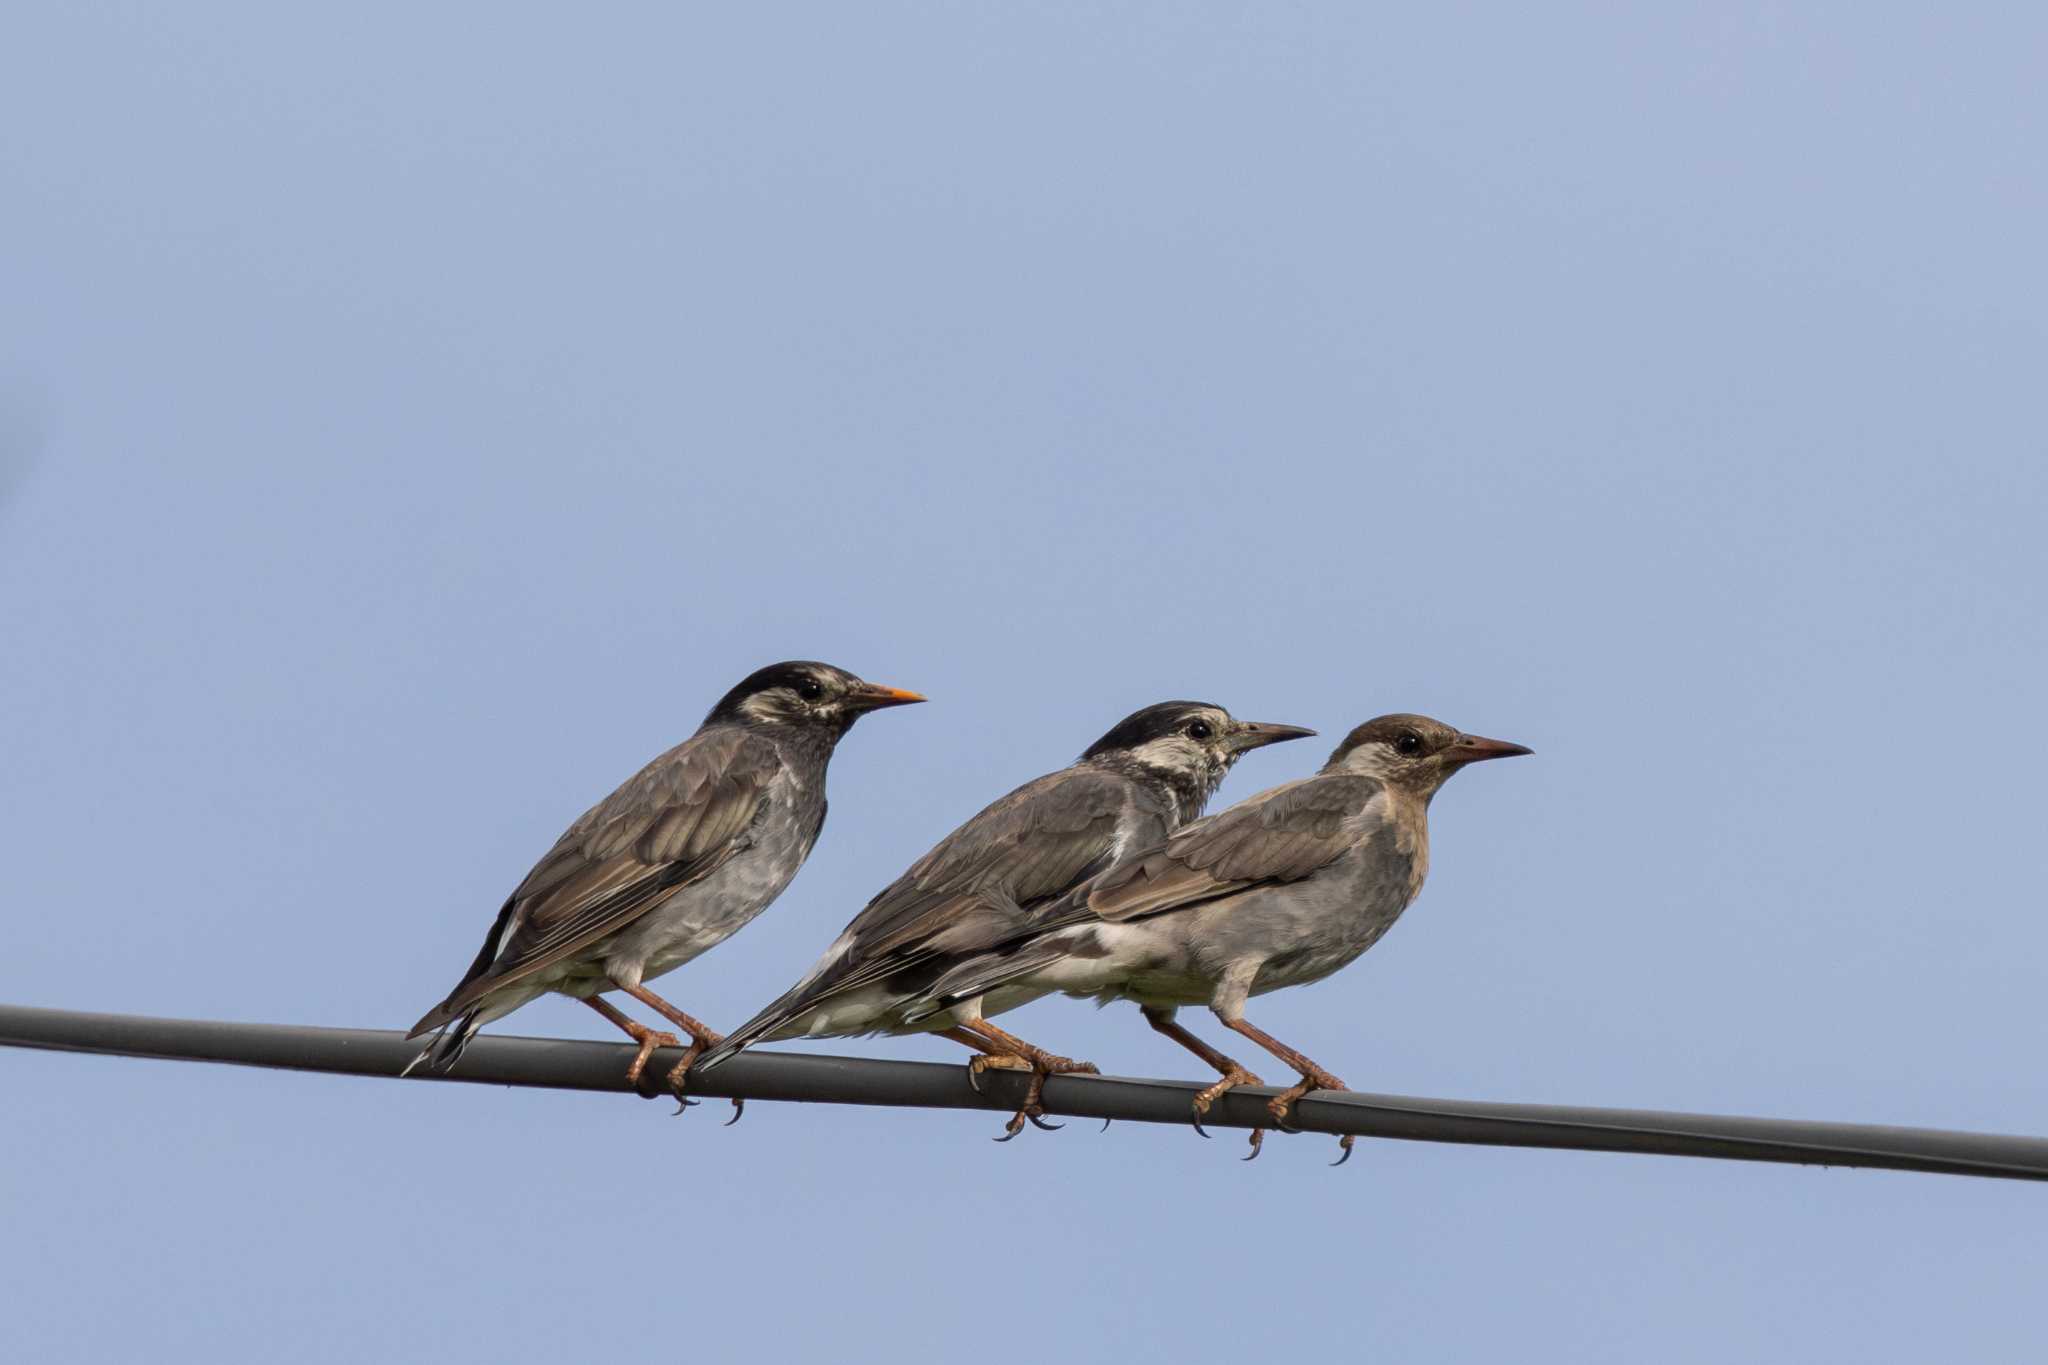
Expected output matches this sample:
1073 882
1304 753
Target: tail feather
978 975
753 1031
447 1045
924 979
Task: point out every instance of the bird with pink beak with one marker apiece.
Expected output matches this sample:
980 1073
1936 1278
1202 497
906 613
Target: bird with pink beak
1282 889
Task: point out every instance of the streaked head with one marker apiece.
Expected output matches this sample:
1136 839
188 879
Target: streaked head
803 694
1191 743
1414 752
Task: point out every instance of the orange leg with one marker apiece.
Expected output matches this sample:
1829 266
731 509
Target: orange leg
1233 1075
1007 1051
701 1036
646 1037
1313 1078
989 1057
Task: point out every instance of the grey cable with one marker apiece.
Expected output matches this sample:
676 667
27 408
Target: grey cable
565 1064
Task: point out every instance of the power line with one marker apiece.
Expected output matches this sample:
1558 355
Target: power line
566 1064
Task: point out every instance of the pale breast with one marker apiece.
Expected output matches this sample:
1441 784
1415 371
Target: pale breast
1332 920
704 914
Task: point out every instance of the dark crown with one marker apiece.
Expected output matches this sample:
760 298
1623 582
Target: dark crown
791 673
1141 727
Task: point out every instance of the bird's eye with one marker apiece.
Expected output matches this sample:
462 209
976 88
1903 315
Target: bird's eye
1409 744
1199 729
810 690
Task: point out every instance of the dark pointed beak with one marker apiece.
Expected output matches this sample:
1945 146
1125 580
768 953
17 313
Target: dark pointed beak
1257 734
1477 749
874 696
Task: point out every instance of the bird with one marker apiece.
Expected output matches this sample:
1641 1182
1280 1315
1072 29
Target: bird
1282 889
1151 773
673 863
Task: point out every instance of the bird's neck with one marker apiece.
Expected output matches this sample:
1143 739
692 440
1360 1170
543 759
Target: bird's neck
806 749
1183 791
1409 826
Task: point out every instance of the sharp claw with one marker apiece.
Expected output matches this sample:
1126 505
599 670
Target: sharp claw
1346 1145
739 1107
1042 1124
683 1102
1105 1125
1007 1136
1199 1129
1254 1155
1284 1124
974 1081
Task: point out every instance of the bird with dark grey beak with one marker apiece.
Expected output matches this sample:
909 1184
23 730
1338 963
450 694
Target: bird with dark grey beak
1281 889
674 862
983 884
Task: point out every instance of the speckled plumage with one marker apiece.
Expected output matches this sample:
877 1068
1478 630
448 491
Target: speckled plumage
981 885
1281 889
1284 888
674 862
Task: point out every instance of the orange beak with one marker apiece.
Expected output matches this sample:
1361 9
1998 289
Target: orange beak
874 696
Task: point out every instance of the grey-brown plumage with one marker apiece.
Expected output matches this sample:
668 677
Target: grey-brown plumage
982 884
1282 889
675 861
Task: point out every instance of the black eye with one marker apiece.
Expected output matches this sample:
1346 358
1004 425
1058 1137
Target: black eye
1409 744
811 690
1199 729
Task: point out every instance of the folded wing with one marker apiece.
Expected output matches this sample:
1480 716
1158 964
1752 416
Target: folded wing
972 891
675 822
1278 836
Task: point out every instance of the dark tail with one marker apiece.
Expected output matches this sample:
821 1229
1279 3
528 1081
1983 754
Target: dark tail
446 1047
754 1030
979 974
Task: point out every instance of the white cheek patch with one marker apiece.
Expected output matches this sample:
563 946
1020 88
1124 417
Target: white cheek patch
765 707
1168 751
1370 759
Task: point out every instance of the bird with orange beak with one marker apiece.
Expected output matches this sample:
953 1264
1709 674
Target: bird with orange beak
981 886
671 864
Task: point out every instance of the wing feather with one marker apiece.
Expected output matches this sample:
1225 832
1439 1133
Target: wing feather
1039 841
1278 836
1281 835
974 889
674 822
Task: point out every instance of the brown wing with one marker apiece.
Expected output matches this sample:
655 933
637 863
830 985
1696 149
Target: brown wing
1041 840
974 887
674 822
1277 836
1280 835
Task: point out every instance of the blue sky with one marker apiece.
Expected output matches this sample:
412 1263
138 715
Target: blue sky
409 423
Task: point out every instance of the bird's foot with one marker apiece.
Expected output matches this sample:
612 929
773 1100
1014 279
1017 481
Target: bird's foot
984 1061
1207 1098
1045 1064
1003 1061
1032 1113
679 1074
1042 1065
648 1039
1282 1105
